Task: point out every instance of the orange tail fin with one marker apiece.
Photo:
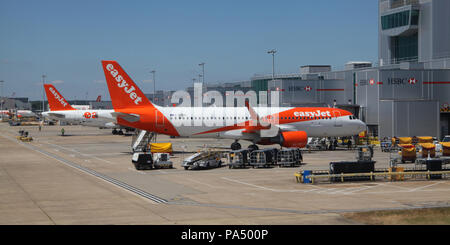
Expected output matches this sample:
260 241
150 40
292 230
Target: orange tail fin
123 91
55 100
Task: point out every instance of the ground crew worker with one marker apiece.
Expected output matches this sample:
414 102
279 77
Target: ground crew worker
62 132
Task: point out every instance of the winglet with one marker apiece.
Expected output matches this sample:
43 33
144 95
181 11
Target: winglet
253 114
55 100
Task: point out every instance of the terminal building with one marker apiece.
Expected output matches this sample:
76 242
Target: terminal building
406 94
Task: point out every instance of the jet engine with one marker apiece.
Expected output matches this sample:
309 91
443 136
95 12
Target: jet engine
293 139
287 139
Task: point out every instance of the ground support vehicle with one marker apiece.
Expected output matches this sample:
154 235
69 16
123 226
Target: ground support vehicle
203 160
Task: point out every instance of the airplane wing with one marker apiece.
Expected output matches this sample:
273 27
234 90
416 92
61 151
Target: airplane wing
126 116
57 115
285 127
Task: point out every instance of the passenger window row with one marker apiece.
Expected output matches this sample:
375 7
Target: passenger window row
246 118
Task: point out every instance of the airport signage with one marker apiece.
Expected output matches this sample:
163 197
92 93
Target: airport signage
402 81
390 81
299 88
365 82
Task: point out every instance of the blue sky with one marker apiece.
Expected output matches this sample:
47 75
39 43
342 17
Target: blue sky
66 40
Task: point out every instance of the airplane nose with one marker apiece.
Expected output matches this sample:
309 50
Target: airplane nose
361 126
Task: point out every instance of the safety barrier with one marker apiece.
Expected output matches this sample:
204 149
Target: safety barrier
300 178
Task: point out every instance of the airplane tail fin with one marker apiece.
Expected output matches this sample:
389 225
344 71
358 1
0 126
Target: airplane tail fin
99 98
123 91
55 100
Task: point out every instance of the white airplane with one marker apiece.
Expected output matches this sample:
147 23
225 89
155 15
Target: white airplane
19 113
61 110
287 126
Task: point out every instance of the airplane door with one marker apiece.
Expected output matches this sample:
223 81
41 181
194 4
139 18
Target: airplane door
159 119
337 121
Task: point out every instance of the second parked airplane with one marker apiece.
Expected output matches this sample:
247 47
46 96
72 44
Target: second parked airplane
287 126
61 110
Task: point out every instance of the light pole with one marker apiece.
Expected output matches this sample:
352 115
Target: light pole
154 85
1 98
43 92
273 51
203 71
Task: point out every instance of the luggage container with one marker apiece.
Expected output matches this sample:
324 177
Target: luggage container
289 157
238 158
428 149
425 139
434 165
298 155
408 153
445 149
263 158
347 167
404 140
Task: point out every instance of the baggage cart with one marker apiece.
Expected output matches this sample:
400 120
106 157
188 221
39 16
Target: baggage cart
238 158
263 158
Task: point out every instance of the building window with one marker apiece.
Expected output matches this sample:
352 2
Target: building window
400 19
405 48
415 17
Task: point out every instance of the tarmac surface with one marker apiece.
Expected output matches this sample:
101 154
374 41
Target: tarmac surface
87 177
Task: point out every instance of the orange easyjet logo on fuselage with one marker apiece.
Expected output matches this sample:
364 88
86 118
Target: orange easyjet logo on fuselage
317 113
121 83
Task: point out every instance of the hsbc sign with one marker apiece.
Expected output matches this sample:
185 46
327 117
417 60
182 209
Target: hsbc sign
412 81
402 81
365 82
299 88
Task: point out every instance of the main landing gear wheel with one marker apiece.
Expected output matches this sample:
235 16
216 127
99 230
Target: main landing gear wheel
236 146
253 147
114 131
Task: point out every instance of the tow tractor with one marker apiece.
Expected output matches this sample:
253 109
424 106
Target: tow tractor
158 157
146 160
162 160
